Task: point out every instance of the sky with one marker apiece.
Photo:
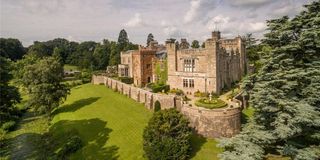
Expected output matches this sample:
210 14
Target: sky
84 20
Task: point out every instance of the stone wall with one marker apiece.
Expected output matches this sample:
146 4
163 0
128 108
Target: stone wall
209 123
215 122
96 79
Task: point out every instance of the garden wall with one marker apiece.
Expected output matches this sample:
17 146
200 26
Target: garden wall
209 123
96 79
214 123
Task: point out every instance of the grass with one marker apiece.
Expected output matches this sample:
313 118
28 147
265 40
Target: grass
109 124
68 67
214 103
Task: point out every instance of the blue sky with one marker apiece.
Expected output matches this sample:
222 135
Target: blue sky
82 20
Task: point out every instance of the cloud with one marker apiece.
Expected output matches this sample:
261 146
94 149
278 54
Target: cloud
285 9
257 27
174 32
135 21
218 22
249 3
198 10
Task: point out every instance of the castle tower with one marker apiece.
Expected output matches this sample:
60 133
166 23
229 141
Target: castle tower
216 35
172 55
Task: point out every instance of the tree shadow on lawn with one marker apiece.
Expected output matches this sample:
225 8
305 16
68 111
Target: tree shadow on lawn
197 142
93 133
75 105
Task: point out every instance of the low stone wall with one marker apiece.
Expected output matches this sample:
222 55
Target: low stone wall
213 123
96 79
209 123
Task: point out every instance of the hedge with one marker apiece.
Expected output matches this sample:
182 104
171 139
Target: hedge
215 103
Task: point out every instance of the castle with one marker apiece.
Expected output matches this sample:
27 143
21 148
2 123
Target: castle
210 69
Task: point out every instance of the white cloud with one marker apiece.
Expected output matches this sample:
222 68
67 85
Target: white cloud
71 38
173 32
257 26
164 23
218 22
249 3
135 21
198 10
193 11
286 9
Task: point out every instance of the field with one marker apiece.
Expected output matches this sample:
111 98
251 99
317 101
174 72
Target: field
110 124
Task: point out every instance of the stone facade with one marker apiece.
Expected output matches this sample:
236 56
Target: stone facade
209 123
208 69
139 64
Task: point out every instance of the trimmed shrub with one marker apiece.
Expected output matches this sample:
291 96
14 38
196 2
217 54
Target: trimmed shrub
157 106
126 80
156 88
167 136
206 103
178 92
200 94
9 126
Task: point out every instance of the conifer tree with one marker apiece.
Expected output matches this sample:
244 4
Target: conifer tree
284 93
150 39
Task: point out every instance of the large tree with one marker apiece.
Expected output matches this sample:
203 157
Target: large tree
285 93
42 79
101 55
150 39
123 39
9 95
11 48
167 136
195 44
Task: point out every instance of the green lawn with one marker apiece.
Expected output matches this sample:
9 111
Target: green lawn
68 67
110 125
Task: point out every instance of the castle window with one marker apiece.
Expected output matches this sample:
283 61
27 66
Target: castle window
189 65
185 82
188 83
126 72
148 65
191 83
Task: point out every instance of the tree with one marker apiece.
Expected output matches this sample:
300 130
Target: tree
149 39
285 93
42 80
101 55
195 44
184 44
114 54
249 40
123 39
11 48
203 45
167 136
40 49
9 95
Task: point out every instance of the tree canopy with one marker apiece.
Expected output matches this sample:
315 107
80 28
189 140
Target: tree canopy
195 44
150 39
11 48
284 93
9 95
167 136
42 79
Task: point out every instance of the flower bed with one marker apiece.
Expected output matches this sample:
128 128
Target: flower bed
214 103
